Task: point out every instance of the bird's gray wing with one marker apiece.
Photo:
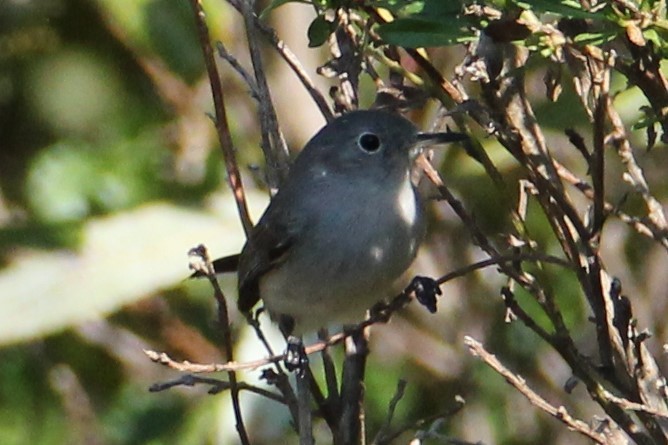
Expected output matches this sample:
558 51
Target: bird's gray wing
267 247
226 264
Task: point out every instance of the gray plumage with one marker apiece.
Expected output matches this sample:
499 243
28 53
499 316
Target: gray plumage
342 228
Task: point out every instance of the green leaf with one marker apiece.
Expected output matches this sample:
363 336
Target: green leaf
594 38
120 259
45 236
418 32
440 8
318 31
648 118
277 3
424 8
400 7
657 36
564 8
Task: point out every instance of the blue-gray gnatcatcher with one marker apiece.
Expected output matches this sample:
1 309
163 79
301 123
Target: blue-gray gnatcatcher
345 224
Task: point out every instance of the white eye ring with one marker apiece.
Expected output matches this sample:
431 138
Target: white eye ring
369 142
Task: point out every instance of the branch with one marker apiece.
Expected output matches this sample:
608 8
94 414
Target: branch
644 228
200 262
273 144
217 386
635 175
520 384
381 315
222 126
305 424
351 421
385 436
236 66
291 60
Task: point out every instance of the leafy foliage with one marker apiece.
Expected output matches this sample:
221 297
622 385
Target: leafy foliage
109 172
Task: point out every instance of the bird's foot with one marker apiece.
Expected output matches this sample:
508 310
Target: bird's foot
295 355
426 290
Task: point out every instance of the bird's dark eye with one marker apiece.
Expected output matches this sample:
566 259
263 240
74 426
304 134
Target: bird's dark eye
369 142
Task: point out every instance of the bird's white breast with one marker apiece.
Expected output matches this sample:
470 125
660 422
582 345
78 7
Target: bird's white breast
407 204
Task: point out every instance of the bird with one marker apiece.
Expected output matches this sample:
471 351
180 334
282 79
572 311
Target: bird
345 224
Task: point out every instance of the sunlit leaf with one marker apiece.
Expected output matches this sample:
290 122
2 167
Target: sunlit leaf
595 38
121 259
276 4
400 7
417 33
565 8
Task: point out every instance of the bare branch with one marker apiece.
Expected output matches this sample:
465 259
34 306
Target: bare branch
222 126
291 60
217 386
199 261
560 413
245 75
273 144
351 422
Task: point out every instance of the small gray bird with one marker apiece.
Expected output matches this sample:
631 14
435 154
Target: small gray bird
343 227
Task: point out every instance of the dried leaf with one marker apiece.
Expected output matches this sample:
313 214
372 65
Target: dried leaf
634 34
552 81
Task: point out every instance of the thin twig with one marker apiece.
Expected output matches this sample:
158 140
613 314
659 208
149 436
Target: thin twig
343 45
273 144
282 382
503 259
421 423
597 165
236 66
299 70
635 175
384 430
520 384
217 386
199 258
222 126
292 61
646 229
633 406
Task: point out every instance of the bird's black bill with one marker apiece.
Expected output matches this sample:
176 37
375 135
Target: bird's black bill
441 138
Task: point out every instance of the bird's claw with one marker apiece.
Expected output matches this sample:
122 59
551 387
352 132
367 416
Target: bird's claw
295 355
426 290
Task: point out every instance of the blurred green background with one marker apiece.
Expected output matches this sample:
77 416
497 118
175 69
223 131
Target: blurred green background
110 172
